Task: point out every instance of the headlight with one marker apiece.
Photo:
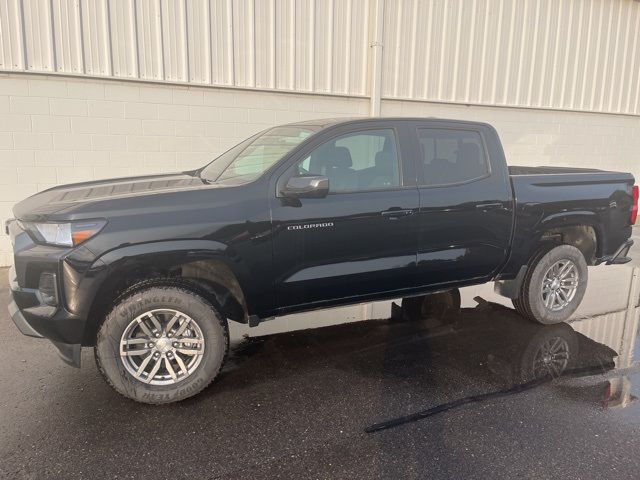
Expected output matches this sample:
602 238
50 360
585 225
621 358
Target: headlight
64 234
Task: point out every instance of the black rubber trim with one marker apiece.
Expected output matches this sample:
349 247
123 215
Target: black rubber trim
21 322
69 353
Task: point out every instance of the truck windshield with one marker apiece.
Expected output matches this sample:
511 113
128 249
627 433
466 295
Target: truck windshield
250 159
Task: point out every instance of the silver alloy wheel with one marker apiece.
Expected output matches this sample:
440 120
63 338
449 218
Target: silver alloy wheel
559 285
162 347
551 358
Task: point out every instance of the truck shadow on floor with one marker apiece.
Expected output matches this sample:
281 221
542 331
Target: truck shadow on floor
490 347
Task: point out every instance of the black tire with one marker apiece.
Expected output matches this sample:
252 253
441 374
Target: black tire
519 308
530 303
437 304
212 325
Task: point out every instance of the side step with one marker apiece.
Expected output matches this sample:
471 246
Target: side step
620 257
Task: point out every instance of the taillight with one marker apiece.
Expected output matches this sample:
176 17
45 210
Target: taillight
634 208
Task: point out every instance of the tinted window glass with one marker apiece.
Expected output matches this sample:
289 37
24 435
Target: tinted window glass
451 156
365 160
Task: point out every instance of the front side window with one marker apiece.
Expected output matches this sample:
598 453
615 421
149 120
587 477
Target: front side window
357 161
451 156
250 159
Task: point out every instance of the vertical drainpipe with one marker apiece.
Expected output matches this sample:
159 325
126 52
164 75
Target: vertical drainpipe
376 59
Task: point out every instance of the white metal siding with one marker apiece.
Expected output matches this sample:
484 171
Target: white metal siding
124 56
310 46
149 45
564 54
37 35
559 54
95 37
198 26
11 41
68 38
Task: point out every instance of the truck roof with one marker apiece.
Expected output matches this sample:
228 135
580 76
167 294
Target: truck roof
331 122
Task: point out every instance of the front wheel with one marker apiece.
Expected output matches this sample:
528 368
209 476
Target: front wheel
161 345
554 285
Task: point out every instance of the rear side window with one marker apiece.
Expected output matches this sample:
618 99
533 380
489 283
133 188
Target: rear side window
451 156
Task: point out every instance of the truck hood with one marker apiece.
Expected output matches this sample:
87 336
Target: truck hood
67 198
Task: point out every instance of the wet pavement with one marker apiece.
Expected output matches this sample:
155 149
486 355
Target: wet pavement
462 392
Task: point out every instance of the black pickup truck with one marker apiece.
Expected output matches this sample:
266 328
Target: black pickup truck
149 270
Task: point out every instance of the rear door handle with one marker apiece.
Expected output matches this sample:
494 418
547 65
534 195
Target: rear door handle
393 214
489 206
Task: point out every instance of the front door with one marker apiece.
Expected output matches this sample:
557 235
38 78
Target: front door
361 238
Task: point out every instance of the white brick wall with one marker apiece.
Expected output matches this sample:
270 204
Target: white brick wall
56 130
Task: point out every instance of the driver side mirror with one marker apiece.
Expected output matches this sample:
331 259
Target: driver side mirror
311 186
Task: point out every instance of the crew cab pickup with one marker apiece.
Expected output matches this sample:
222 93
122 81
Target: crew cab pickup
149 270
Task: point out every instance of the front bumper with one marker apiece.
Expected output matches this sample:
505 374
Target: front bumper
35 319
21 322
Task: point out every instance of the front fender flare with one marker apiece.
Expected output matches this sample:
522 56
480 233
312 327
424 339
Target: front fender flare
163 256
158 260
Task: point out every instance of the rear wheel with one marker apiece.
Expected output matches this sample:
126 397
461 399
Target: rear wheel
554 285
161 345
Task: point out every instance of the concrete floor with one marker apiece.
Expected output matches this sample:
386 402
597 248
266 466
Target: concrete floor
299 405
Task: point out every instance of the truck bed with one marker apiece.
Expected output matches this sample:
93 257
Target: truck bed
561 196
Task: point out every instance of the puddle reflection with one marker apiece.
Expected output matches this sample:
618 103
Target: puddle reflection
467 348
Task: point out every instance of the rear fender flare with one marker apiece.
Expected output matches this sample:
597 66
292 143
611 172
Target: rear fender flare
568 219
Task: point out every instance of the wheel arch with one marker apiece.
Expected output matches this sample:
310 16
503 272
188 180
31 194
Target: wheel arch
579 229
208 272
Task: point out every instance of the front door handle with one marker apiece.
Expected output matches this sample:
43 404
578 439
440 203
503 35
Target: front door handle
489 206
394 214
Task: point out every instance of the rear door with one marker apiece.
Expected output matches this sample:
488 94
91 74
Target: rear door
465 215
361 239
